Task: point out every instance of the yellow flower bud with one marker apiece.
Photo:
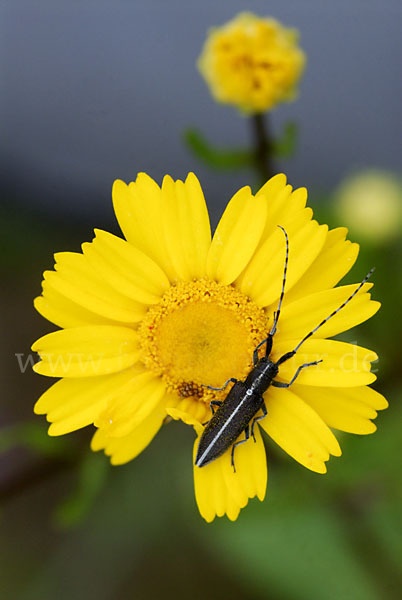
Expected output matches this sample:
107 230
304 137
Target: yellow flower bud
370 203
252 63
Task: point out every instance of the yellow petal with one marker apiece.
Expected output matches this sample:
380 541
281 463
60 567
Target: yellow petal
74 403
282 203
132 405
86 351
191 412
196 226
273 187
336 259
250 478
125 268
170 225
76 280
343 365
219 490
237 236
211 492
138 209
124 449
302 316
63 312
182 415
347 409
186 226
262 279
276 208
373 398
298 430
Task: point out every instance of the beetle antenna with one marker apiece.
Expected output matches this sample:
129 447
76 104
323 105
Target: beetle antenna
335 311
278 311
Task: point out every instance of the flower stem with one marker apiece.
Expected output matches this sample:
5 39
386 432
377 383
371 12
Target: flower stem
263 146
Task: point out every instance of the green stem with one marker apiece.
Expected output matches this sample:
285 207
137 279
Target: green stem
262 147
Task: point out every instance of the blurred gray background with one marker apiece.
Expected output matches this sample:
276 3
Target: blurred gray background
98 90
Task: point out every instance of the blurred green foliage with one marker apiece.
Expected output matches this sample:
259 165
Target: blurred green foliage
33 436
216 158
92 475
229 159
285 145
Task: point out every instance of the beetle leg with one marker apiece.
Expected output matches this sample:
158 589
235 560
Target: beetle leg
247 434
214 403
220 388
280 384
265 412
211 405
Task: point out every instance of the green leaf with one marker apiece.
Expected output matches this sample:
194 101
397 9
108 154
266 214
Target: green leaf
285 146
217 158
291 553
92 476
33 436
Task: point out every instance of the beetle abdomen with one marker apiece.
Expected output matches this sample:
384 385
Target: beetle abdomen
228 422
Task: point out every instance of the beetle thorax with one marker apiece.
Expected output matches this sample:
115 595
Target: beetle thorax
260 378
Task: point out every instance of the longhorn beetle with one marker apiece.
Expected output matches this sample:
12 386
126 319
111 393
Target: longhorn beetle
245 399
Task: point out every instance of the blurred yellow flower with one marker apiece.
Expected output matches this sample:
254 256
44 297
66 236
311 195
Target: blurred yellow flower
370 203
252 63
148 322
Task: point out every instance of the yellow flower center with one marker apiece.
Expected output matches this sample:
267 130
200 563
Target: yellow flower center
201 333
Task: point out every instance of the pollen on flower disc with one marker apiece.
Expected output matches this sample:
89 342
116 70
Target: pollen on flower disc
201 333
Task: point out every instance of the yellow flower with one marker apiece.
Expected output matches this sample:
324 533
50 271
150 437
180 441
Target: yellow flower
252 63
148 322
371 204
